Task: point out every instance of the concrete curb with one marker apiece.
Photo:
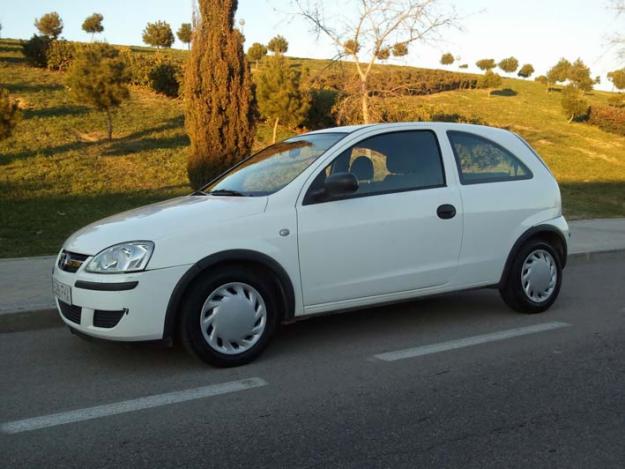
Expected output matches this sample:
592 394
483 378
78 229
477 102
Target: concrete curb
21 321
584 257
30 320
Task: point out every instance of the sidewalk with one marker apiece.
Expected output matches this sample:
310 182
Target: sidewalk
25 283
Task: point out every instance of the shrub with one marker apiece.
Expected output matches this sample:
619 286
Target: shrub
617 100
98 77
160 72
490 80
320 114
9 114
609 118
36 50
575 107
140 66
60 54
163 78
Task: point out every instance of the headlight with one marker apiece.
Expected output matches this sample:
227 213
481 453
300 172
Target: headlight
124 257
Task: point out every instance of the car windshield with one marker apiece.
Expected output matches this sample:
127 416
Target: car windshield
271 169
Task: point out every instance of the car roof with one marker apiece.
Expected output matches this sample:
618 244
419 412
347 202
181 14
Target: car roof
426 125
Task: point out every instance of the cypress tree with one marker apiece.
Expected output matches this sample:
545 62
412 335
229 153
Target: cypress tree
220 107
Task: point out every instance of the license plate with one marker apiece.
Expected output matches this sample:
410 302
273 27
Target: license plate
62 292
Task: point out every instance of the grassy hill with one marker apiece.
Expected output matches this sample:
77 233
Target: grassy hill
58 174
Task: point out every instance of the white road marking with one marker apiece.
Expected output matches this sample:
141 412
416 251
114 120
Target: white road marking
131 405
468 341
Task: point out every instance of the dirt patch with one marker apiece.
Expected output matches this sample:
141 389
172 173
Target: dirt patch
90 137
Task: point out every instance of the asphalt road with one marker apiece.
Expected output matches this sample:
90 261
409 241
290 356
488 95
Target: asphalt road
323 395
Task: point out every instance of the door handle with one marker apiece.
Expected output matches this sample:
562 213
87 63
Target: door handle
446 211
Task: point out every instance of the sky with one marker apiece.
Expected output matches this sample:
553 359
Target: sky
534 31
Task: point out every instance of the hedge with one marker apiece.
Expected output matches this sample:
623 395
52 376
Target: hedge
609 118
403 82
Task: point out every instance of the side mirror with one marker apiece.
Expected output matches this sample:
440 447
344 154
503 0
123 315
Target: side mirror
340 184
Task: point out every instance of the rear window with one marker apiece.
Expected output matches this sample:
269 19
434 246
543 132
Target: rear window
480 160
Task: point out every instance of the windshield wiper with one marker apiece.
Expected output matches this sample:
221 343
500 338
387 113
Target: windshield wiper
199 193
226 192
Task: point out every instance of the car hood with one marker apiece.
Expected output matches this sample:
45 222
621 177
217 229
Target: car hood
162 220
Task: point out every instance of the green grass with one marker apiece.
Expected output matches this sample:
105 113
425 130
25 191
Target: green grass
58 174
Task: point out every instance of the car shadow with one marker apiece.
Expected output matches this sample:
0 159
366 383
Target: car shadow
327 334
398 320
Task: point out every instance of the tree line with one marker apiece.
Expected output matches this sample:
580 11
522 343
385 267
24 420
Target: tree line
157 34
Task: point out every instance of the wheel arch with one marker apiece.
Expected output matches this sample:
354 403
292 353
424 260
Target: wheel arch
548 233
282 282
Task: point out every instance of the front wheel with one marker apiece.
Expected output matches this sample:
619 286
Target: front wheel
229 317
534 280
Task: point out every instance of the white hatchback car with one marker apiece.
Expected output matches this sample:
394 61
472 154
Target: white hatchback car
331 220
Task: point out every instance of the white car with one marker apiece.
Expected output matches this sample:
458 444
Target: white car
331 220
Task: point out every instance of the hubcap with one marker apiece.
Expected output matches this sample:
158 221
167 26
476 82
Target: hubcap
233 318
539 276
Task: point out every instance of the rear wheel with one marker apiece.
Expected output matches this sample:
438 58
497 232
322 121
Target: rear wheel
229 317
534 280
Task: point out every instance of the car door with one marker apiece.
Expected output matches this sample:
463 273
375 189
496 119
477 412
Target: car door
387 237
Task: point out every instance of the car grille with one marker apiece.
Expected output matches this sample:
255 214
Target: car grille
107 319
70 312
71 261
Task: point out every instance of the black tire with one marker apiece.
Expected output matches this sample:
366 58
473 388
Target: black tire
190 330
512 291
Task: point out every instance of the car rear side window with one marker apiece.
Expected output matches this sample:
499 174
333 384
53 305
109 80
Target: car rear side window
480 160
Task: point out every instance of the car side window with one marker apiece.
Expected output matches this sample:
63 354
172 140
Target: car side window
392 162
480 160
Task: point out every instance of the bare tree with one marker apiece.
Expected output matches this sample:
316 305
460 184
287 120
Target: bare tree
375 29
619 40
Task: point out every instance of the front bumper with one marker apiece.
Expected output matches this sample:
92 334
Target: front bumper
124 307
